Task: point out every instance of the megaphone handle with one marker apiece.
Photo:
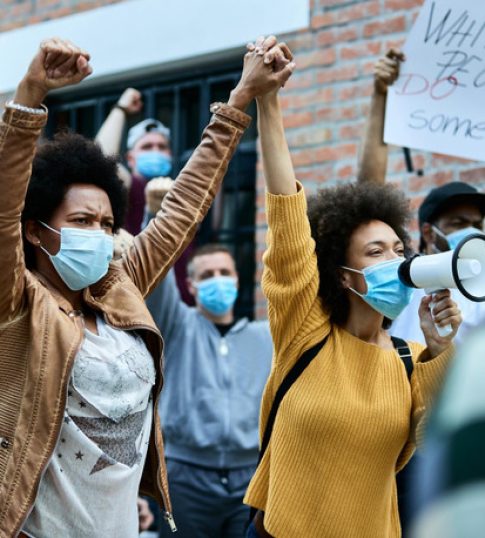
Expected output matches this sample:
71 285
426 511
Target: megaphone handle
442 331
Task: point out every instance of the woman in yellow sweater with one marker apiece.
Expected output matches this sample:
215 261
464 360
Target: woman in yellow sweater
347 425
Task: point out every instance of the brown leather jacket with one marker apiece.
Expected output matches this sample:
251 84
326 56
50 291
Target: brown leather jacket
39 331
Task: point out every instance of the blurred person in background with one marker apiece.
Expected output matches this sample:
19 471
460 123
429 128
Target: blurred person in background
447 214
149 156
448 490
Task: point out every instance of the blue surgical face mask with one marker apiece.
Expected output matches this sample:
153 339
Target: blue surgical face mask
152 164
454 238
83 258
385 292
218 294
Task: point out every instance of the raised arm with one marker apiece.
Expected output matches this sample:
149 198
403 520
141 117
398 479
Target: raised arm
373 153
56 64
111 131
157 248
166 306
290 276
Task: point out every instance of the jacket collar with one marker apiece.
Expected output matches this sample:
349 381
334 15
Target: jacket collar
97 290
63 303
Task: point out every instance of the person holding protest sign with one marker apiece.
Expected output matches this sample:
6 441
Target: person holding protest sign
348 422
447 214
80 355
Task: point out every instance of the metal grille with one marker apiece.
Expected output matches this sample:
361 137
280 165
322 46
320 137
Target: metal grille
182 103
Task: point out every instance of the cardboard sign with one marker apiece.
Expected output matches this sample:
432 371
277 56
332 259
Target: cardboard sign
438 102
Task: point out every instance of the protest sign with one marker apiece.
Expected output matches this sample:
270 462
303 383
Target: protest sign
438 102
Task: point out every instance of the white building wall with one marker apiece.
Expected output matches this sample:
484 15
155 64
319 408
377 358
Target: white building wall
140 37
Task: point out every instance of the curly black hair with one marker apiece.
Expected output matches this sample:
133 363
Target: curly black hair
334 214
67 159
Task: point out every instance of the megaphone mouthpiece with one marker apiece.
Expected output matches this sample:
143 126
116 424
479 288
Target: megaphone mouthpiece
404 272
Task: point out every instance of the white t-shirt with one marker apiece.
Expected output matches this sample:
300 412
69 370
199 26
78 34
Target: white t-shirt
406 326
90 486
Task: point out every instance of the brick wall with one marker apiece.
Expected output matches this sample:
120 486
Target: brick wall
18 13
326 103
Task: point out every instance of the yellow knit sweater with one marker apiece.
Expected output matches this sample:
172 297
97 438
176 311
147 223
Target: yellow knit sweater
346 426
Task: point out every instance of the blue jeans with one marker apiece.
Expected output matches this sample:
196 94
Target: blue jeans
207 503
251 532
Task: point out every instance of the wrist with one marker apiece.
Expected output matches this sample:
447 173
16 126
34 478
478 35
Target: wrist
435 349
29 94
380 90
240 98
121 108
267 100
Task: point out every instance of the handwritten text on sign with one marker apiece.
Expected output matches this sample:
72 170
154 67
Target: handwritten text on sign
438 102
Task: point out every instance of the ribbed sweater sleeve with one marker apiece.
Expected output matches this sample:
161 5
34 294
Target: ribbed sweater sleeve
290 277
426 381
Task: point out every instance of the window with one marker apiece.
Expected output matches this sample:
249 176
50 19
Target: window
182 103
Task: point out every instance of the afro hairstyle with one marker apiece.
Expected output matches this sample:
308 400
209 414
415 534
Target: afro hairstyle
59 163
334 214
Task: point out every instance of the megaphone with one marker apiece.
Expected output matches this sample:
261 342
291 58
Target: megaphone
462 268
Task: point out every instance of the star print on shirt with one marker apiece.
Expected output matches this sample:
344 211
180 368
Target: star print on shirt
117 440
79 455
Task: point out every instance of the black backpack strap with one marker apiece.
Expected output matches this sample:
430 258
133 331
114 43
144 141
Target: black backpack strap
405 353
289 379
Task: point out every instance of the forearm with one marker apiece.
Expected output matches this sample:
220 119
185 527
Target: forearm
166 305
19 132
373 153
430 373
110 133
290 277
278 168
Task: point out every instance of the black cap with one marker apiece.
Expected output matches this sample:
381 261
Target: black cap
442 198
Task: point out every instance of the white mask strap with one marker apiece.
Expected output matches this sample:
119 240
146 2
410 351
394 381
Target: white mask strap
439 232
353 270
48 227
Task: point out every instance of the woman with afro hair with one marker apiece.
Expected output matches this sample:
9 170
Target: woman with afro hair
80 354
347 425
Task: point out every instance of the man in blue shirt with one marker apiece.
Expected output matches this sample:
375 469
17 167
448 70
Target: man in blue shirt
216 367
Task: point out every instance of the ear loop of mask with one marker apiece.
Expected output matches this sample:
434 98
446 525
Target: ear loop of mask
52 230
354 271
439 232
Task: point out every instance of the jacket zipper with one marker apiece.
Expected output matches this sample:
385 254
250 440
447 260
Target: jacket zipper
168 516
76 315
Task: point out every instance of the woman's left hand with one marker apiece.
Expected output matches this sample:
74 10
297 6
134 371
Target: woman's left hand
444 312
